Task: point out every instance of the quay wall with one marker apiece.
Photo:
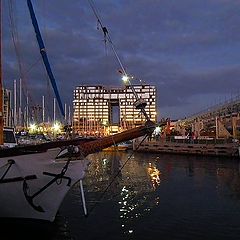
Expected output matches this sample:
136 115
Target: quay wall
207 149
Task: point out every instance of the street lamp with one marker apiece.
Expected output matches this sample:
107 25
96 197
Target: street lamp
125 78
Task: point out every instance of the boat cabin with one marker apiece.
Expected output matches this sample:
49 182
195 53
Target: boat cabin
9 138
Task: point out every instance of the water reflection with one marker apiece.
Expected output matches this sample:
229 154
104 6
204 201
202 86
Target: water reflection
230 179
150 193
154 174
150 196
129 181
144 172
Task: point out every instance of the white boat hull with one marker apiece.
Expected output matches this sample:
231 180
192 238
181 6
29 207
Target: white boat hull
14 193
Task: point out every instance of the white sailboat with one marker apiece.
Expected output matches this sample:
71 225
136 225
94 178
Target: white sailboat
34 179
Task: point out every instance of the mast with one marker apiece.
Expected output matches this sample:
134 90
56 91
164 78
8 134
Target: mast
20 103
44 55
54 110
65 112
27 111
1 85
15 102
43 109
69 115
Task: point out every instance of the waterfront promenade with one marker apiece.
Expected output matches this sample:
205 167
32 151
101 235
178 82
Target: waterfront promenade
197 147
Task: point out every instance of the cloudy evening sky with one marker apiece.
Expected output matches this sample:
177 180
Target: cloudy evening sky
189 49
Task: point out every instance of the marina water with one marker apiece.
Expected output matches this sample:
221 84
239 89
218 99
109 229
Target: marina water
147 196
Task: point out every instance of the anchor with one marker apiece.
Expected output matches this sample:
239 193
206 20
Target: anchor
58 176
10 162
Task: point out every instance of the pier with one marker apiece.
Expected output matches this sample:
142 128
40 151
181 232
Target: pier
203 147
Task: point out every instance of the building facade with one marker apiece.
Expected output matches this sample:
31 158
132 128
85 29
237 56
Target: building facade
98 110
7 107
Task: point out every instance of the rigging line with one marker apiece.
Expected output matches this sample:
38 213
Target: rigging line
32 65
14 35
48 92
107 36
116 175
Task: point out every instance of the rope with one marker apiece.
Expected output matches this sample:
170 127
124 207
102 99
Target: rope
64 169
15 40
107 37
114 178
114 143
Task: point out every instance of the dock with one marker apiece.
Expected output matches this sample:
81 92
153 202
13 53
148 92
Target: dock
204 148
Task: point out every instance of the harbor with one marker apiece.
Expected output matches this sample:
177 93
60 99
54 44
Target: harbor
119 120
197 196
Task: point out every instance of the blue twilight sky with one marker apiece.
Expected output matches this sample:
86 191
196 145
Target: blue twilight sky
189 49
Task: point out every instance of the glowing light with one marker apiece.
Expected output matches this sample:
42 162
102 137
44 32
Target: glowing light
33 127
157 130
125 78
105 122
56 127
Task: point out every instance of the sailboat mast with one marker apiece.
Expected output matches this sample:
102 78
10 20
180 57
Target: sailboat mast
44 55
1 81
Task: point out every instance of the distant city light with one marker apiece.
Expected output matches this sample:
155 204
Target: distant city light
33 127
56 127
157 130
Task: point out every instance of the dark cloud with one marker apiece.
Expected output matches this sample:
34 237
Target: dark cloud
189 49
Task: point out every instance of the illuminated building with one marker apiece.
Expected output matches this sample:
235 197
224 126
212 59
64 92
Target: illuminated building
98 110
7 107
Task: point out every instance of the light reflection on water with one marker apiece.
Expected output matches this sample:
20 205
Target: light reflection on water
157 196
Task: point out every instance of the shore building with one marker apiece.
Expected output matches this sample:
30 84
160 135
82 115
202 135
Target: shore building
99 110
7 107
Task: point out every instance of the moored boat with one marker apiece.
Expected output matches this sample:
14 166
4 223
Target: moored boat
34 179
9 139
